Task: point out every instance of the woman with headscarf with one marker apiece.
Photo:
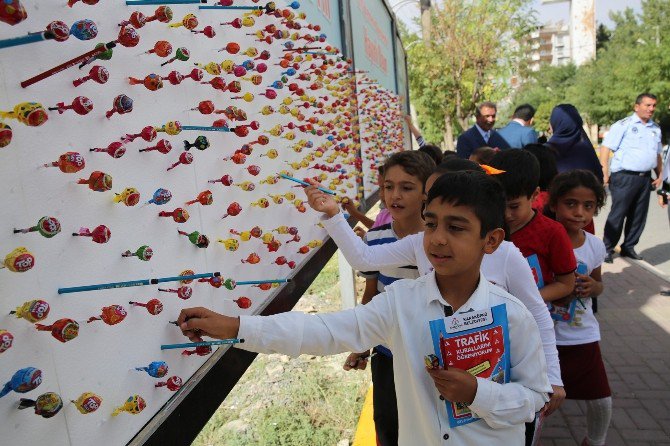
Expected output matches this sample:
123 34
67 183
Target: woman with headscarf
573 147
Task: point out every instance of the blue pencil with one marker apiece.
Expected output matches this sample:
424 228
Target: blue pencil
304 183
230 7
132 283
201 344
205 128
23 40
163 2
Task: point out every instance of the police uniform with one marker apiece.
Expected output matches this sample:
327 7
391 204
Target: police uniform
636 146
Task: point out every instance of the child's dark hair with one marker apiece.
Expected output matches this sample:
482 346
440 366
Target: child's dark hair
455 164
476 190
484 154
448 154
522 172
566 181
413 162
547 159
432 151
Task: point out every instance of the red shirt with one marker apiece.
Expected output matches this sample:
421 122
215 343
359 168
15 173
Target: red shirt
547 247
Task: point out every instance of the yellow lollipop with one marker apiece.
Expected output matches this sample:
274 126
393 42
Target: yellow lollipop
228 66
133 405
29 113
212 68
129 196
230 243
88 402
19 261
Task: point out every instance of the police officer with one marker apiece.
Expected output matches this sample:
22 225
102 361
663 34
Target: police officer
636 143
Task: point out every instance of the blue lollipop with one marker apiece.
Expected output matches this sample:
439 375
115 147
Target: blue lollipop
294 5
156 369
161 196
23 381
290 71
278 85
84 29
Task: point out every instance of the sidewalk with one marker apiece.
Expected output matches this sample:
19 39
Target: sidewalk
635 328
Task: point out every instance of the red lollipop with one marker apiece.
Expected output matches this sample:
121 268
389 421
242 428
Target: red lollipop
154 306
217 83
69 162
137 19
241 131
269 93
59 30
110 315
226 180
205 107
63 329
162 48
163 146
196 74
100 234
243 302
173 383
128 37
148 134
204 198
264 55
202 350
254 170
81 105
183 292
184 158
233 209
122 105
234 87
115 149
281 260
162 14
207 31
252 258
151 82
98 181
97 73
175 77
231 48
179 215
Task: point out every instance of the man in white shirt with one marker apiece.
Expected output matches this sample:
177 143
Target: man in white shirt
463 222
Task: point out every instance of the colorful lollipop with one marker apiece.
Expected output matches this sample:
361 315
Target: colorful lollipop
12 12
110 315
137 19
202 350
100 234
19 260
163 146
171 128
63 329
129 197
200 143
182 54
252 259
46 226
162 48
148 134
154 306
29 113
97 73
230 244
151 82
156 369
69 162
186 272
115 149
205 198
144 253
122 105
184 158
128 37
183 292
226 180
243 302
233 209
179 215
5 134
198 239
133 405
32 311
162 14
84 29
97 181
23 381
190 22
161 197
88 402
46 405
207 31
6 340
103 52
173 383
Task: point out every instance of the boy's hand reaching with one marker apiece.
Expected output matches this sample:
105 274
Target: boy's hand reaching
555 401
455 385
584 285
320 201
357 361
197 322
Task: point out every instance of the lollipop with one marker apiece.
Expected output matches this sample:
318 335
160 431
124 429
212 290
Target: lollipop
128 37
29 113
179 215
243 302
186 272
46 405
137 19
202 350
182 54
205 107
261 203
88 402
144 253
207 31
63 329
19 261
97 73
190 22
97 181
183 292
115 149
84 29
133 405
5 134
106 54
32 311
175 77
198 239
171 128
173 383
252 258
253 170
12 12
110 315
156 369
162 48
163 146
233 209
46 226
230 244
100 234
204 198
246 186
161 196
162 14
148 134
6 340
286 230
23 381
184 158
226 180
200 143
216 282
69 162
154 306
247 97
122 105
129 196
151 82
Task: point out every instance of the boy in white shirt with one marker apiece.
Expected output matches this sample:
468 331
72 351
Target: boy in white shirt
464 220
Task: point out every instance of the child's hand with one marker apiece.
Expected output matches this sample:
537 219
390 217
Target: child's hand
584 285
199 321
360 231
348 204
555 400
455 385
320 201
407 118
357 361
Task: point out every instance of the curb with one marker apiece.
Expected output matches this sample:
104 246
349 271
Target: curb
649 268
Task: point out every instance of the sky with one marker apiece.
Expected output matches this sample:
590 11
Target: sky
552 12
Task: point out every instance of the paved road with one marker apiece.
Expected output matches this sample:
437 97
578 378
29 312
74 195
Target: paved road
654 245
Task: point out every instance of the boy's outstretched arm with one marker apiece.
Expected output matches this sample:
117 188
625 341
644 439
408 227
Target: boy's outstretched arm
197 322
349 206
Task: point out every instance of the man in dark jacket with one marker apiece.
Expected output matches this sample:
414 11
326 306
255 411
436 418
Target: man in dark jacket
482 133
